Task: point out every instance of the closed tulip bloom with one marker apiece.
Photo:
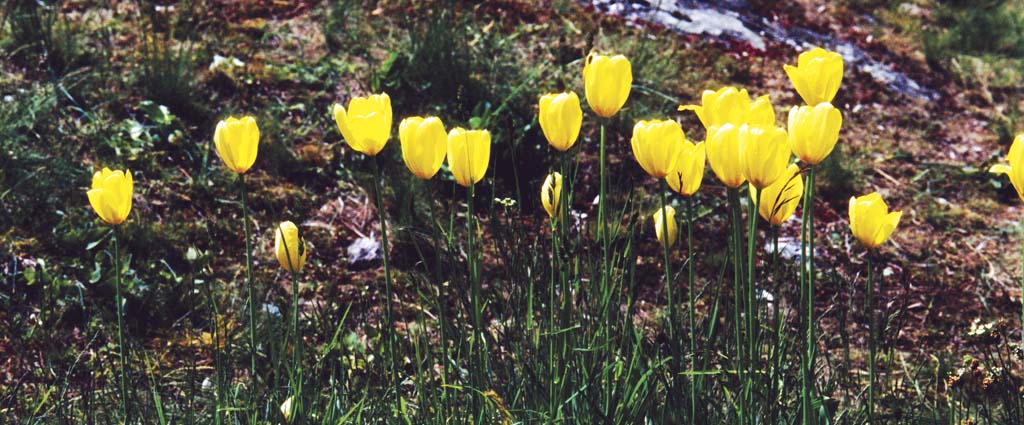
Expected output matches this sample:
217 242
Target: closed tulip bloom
366 124
1015 165
469 152
237 140
780 199
561 118
656 145
660 216
814 131
686 176
762 113
286 409
723 150
817 75
764 154
290 247
111 195
424 145
607 80
870 219
551 194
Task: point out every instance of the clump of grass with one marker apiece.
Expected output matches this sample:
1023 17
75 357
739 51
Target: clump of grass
167 73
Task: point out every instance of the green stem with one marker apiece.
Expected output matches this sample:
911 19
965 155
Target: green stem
738 295
690 294
389 332
552 333
752 309
871 340
602 228
807 286
120 326
249 285
668 293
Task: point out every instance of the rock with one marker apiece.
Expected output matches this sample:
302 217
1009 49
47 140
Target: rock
364 252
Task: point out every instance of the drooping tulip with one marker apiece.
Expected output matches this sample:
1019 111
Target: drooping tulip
607 80
561 118
817 75
870 219
814 131
1014 166
424 145
237 140
764 154
366 124
469 152
551 194
111 195
723 150
660 216
656 145
686 176
780 199
290 247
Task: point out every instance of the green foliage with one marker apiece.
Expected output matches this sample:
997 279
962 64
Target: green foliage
41 37
982 42
167 73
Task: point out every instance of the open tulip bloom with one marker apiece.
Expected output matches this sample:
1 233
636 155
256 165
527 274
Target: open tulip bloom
366 123
817 75
729 105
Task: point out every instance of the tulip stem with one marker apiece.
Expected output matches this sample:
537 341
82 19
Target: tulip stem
602 228
689 290
440 301
738 295
752 303
871 340
120 333
807 286
252 296
390 329
668 269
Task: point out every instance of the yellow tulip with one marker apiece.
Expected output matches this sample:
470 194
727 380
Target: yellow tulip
686 176
817 75
469 151
551 194
290 247
286 409
366 124
656 145
237 141
424 145
561 118
723 150
607 80
111 195
814 131
1015 166
870 219
762 113
660 216
729 105
764 154
780 199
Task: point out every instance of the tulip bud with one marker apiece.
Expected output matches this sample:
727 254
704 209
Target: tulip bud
607 80
237 141
551 194
290 247
656 145
366 124
286 409
469 152
1015 165
424 145
560 118
817 75
723 149
686 176
870 219
780 199
764 154
660 226
111 195
814 131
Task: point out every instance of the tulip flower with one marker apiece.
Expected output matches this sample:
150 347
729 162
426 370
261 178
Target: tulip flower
870 219
290 247
686 176
814 131
366 124
764 154
656 145
723 150
237 141
761 112
561 118
424 145
729 105
469 152
666 213
780 199
111 195
817 75
607 80
286 409
551 194
1015 165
